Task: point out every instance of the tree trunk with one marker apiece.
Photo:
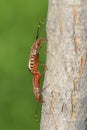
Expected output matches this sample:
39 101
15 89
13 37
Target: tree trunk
65 97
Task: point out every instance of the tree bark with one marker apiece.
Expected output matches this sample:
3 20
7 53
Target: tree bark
65 97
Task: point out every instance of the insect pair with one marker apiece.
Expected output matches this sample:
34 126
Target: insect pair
33 64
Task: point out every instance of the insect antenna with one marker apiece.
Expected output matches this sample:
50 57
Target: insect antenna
36 112
38 29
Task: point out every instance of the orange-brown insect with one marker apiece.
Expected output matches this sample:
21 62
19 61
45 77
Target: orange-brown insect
34 63
36 85
34 56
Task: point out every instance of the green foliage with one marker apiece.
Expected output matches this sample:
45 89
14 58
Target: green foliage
18 24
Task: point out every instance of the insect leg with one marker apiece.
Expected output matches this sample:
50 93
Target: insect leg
44 88
38 29
44 69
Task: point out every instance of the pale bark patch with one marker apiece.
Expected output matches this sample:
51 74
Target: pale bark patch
66 96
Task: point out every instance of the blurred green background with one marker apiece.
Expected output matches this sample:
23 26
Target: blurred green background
18 24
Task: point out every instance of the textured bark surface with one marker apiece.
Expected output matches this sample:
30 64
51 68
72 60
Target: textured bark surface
65 98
